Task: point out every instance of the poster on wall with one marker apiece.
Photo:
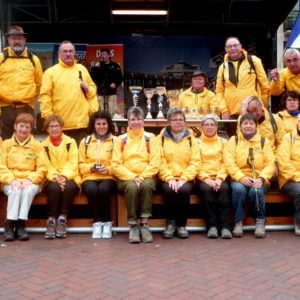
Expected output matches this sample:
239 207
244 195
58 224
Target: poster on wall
117 56
80 54
44 51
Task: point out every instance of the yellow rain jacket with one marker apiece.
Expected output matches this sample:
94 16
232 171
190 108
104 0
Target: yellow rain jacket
231 91
63 159
95 152
21 162
288 158
211 158
178 160
287 82
289 122
237 158
137 158
20 81
205 100
265 129
62 95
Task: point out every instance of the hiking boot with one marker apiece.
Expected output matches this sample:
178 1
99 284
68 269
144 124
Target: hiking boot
212 233
260 228
61 228
97 230
226 234
297 228
21 232
134 235
238 229
169 231
50 232
146 234
182 232
107 230
9 229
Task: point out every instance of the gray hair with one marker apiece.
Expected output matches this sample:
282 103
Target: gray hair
174 111
256 100
136 111
291 51
65 42
209 117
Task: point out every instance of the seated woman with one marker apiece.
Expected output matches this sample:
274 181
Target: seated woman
136 161
98 183
249 160
22 171
61 158
288 159
213 188
289 103
179 166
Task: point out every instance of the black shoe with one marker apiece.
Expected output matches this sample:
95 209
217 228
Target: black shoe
9 231
21 232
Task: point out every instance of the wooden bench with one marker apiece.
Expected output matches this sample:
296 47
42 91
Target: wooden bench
271 198
41 200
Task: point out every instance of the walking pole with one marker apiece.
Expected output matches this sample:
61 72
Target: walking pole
251 155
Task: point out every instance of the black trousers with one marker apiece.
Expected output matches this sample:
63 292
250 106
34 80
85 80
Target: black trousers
8 117
98 193
60 202
216 204
76 134
177 204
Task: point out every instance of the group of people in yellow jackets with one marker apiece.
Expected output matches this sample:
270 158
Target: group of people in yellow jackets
139 163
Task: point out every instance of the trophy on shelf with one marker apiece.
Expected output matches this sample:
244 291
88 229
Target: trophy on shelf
149 94
135 90
172 97
194 113
161 91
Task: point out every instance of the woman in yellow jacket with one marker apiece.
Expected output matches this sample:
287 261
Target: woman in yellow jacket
22 171
212 174
288 159
249 160
179 166
98 182
135 162
61 158
289 103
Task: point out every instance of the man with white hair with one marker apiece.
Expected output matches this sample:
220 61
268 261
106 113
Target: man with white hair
288 78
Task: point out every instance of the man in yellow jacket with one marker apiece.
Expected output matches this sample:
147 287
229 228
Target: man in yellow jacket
288 78
135 162
68 91
241 75
20 79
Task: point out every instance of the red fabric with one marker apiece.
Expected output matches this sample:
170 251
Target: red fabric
56 142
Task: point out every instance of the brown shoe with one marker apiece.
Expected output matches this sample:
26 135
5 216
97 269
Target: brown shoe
61 228
169 231
134 235
146 234
182 233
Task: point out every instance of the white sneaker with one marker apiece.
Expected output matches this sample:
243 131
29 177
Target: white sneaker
97 230
107 230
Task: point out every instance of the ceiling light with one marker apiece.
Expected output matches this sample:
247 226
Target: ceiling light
139 12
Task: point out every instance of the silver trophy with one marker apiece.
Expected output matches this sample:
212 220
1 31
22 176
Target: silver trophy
149 94
135 90
161 91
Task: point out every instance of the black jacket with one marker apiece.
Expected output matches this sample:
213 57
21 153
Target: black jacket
105 75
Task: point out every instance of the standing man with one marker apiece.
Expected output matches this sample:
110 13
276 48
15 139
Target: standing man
108 76
288 78
20 79
68 91
240 76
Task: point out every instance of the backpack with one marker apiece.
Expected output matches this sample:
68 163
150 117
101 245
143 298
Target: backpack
125 136
6 56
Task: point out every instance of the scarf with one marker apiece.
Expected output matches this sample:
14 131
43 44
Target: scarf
249 137
56 141
178 136
294 113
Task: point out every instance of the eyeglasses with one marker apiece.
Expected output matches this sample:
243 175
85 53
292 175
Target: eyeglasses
232 46
177 120
209 125
292 60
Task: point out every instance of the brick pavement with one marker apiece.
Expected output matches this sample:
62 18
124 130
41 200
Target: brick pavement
81 268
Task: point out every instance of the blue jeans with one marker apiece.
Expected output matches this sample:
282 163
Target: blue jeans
240 193
292 189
